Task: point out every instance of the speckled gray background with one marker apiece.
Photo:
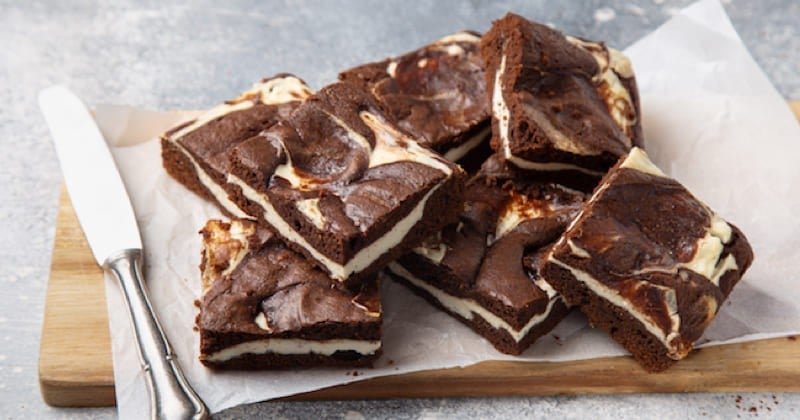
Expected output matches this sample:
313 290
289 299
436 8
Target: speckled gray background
169 55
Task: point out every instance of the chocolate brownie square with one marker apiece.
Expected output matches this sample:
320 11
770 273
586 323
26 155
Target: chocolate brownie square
196 153
265 307
343 186
647 262
475 269
437 93
559 104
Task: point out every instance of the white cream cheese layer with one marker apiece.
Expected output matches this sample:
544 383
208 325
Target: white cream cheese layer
435 253
272 92
234 256
388 148
613 297
241 235
468 308
460 37
638 160
611 65
541 283
517 210
295 346
706 256
261 321
619 102
500 108
449 44
452 49
456 153
728 264
433 249
391 68
212 187
310 209
620 63
551 166
576 250
706 260
363 257
557 138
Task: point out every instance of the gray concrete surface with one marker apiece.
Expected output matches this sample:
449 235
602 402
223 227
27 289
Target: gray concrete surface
168 55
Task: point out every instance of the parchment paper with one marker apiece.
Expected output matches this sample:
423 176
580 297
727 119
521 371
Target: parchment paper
711 119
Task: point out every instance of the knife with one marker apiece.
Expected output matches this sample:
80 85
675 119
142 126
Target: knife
106 217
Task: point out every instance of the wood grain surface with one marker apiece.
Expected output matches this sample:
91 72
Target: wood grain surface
75 366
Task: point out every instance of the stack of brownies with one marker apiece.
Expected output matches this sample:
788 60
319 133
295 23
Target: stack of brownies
499 177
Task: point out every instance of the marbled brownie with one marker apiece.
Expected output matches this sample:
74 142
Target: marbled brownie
265 307
647 262
559 103
341 184
474 269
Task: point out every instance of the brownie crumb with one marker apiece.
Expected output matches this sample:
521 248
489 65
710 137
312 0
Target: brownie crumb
792 338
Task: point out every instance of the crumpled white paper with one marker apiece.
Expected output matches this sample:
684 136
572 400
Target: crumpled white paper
711 119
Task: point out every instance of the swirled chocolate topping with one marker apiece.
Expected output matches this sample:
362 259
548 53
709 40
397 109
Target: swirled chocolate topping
437 93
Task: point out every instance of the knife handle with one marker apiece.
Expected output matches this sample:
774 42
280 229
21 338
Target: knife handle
171 396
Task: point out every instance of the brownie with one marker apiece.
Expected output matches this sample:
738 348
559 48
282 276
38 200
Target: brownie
474 269
647 262
265 307
343 186
559 104
437 93
196 153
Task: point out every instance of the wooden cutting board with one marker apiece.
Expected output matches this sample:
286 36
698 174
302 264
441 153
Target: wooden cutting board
75 366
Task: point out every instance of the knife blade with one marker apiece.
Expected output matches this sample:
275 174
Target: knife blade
105 214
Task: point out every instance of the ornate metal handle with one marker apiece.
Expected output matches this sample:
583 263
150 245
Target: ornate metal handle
171 396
